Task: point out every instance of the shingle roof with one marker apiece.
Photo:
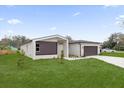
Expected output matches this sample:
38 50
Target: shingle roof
82 41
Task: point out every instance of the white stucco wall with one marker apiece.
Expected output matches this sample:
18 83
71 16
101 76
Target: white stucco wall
45 56
65 47
27 49
74 50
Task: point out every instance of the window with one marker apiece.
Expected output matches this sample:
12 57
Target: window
37 47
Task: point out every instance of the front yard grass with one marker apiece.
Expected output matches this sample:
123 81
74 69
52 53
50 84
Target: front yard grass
50 73
114 54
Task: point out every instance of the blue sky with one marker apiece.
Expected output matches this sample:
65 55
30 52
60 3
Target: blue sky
94 23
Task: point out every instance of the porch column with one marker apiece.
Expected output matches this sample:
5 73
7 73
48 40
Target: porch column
66 50
67 44
82 50
98 50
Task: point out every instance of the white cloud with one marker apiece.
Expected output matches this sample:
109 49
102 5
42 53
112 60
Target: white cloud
110 6
10 31
120 17
76 14
14 21
1 19
119 20
53 28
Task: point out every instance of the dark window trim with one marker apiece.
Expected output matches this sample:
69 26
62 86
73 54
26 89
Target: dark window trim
37 47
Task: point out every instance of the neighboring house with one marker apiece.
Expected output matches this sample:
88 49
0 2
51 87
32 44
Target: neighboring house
52 47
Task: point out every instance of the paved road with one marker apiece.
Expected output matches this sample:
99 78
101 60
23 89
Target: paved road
112 60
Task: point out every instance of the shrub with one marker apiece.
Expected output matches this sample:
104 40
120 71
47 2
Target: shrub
20 63
62 56
2 48
22 53
18 52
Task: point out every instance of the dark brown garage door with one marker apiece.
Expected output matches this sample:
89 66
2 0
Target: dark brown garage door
90 50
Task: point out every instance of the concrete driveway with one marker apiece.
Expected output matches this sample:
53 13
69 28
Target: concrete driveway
112 60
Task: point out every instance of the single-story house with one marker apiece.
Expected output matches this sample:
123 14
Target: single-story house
52 47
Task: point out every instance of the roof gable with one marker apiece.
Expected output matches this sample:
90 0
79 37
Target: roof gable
49 37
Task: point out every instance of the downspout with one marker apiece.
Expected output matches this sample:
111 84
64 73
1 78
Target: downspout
34 49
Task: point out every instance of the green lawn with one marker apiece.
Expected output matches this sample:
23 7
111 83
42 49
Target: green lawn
50 73
115 54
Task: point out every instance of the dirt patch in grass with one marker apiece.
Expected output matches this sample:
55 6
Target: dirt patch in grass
6 52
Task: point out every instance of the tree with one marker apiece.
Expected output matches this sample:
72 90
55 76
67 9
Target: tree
115 41
4 43
111 42
120 43
120 22
15 41
18 40
69 38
